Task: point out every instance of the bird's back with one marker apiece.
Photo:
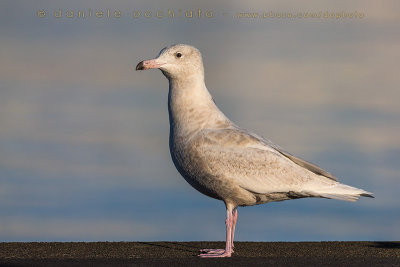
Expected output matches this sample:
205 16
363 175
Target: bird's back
218 162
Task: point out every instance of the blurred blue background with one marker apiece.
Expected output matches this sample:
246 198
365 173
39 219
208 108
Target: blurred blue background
84 138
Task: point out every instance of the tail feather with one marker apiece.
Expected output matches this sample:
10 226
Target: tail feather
343 192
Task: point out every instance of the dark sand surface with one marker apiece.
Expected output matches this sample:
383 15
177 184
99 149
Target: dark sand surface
184 254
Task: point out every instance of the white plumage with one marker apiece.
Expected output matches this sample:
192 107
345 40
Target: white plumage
224 161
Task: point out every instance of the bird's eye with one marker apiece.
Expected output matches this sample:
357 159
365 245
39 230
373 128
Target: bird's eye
178 55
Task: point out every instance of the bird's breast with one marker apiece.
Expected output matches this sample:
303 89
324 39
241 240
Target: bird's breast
193 168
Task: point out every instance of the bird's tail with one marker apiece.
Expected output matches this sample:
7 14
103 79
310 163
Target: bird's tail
343 192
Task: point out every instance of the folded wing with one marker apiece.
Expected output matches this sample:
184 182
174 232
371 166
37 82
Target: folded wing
256 164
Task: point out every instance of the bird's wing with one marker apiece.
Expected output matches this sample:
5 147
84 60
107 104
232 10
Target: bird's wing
305 164
252 163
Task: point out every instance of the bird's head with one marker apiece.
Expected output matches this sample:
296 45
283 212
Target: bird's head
176 62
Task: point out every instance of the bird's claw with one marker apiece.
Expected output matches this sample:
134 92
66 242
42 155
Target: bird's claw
214 253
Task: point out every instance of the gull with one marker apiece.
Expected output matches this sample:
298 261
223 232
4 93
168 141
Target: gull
225 161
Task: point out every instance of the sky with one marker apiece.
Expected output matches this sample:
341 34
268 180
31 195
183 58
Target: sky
84 137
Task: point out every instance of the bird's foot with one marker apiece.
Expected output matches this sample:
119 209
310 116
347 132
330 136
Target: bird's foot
214 253
212 250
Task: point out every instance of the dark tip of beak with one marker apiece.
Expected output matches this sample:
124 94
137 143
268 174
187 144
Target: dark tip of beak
140 66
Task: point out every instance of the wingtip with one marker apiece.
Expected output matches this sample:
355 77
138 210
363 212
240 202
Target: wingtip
367 195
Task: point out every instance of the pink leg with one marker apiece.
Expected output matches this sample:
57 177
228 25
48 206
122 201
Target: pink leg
227 252
235 216
216 250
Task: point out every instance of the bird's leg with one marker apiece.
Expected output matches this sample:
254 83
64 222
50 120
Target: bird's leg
235 216
227 252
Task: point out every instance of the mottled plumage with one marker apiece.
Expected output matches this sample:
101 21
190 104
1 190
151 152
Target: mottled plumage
224 161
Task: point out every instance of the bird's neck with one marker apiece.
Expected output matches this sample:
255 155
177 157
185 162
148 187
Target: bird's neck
191 107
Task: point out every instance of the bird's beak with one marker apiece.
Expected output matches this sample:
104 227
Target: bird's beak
149 64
